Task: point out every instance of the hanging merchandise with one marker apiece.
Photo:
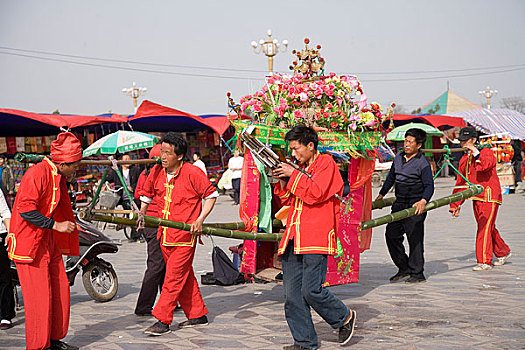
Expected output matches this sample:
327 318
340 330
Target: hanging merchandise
11 144
20 144
3 145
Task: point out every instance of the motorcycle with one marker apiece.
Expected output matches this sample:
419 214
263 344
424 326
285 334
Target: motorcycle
98 276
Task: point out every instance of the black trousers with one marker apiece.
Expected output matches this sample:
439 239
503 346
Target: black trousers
414 228
236 184
154 275
7 297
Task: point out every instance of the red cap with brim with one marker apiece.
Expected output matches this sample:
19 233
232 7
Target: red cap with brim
66 148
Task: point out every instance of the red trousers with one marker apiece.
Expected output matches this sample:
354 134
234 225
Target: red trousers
46 295
488 240
179 286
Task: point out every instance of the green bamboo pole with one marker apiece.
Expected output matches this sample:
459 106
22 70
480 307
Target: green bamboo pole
151 221
36 158
99 188
381 203
123 183
399 215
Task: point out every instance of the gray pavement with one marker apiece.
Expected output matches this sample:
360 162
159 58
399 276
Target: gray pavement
456 308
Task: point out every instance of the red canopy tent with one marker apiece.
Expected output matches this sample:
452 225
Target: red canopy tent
21 123
151 116
434 120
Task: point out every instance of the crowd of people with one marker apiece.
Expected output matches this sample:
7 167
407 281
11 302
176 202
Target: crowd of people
42 227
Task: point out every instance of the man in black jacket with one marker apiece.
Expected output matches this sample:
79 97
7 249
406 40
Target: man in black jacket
411 177
130 174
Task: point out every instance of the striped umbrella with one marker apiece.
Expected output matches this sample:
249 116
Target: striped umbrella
121 141
494 121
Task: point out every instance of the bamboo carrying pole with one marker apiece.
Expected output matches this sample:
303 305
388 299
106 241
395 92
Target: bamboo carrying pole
151 221
36 158
403 214
231 230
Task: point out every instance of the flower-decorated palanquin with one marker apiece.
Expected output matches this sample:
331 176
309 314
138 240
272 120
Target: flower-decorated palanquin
349 128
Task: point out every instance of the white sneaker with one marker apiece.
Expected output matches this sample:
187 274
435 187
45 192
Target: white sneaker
502 260
482 267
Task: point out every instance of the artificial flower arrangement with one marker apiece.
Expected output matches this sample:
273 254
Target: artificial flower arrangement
327 102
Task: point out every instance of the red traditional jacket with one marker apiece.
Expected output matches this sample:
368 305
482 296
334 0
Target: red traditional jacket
314 211
480 171
42 189
179 199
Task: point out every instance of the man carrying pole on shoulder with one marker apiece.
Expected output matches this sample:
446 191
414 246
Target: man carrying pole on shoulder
479 167
309 238
180 188
42 229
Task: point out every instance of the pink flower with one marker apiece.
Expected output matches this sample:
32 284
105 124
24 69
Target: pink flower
303 96
298 114
257 107
362 102
353 126
244 106
371 123
258 94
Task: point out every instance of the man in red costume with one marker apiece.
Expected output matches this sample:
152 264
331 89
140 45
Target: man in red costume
180 188
310 236
42 229
479 167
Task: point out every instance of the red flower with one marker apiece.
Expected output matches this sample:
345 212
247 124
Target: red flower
306 41
228 94
318 47
334 125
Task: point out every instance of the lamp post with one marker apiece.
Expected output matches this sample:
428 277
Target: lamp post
488 94
135 93
270 47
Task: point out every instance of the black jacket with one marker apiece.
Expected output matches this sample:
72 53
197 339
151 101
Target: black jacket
134 173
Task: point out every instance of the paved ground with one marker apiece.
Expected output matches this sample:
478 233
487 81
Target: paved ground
456 309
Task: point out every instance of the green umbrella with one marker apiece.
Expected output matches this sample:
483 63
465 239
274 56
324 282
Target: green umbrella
121 141
398 134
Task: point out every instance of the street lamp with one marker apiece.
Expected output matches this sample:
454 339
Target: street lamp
135 93
488 94
270 48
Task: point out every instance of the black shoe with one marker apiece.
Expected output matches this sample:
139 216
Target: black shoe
59 345
347 330
144 313
399 276
194 322
415 279
295 347
158 328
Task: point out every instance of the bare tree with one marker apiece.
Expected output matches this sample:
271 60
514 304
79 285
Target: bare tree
515 103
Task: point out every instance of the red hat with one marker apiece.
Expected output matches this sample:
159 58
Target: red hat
155 151
66 148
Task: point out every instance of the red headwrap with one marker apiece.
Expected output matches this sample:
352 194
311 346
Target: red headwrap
66 148
155 151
